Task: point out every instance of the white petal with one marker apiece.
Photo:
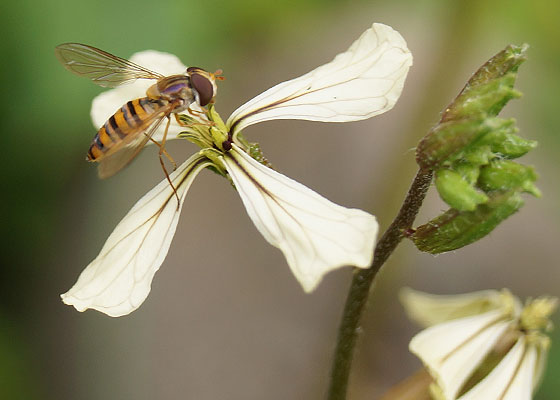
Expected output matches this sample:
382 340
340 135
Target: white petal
540 367
454 349
119 279
511 379
364 81
107 103
430 309
314 234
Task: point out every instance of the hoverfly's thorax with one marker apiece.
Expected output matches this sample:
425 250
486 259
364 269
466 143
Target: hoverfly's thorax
153 92
173 87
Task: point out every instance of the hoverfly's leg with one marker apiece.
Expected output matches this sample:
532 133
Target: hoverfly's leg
181 123
163 151
195 113
162 147
169 180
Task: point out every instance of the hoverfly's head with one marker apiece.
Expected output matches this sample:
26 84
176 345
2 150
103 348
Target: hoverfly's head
204 84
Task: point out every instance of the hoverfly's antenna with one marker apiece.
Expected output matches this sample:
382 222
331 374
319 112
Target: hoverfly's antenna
217 75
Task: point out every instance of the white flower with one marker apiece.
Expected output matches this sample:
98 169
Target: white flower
471 329
314 234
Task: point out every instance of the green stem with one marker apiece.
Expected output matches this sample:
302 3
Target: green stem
363 280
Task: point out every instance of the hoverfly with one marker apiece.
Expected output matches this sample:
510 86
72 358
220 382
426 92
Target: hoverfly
125 133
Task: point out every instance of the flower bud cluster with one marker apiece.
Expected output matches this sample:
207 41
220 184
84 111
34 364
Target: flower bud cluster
471 152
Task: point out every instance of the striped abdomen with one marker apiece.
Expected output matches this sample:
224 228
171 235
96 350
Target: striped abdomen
132 118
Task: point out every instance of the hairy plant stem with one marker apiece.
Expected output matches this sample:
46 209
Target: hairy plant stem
363 280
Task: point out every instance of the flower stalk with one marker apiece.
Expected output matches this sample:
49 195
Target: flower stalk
363 280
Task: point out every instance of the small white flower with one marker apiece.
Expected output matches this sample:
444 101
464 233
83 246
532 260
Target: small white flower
468 329
315 235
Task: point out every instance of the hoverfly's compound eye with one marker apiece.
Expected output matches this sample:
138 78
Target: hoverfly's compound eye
204 88
201 83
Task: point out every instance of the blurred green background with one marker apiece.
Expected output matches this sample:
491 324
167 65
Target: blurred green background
234 323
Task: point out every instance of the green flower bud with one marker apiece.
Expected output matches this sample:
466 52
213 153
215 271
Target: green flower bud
501 141
491 87
477 155
447 139
457 192
508 175
469 171
472 140
468 119
505 143
488 98
455 229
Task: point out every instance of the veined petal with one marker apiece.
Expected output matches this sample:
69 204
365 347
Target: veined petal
314 234
119 279
542 357
511 379
430 309
454 349
364 81
107 103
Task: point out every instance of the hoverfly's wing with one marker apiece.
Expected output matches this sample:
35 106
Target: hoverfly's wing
122 154
364 81
102 68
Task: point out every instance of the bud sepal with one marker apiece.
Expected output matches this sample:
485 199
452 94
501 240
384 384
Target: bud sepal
455 229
